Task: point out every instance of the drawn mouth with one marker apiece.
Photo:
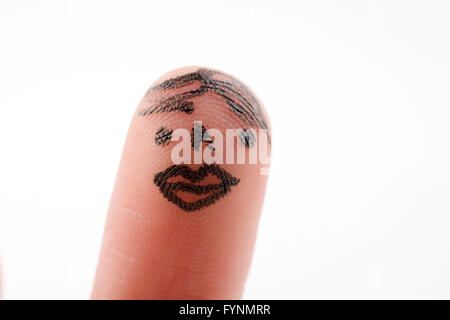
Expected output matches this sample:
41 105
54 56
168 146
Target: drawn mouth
211 192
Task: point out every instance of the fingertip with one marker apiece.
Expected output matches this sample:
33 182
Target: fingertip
186 230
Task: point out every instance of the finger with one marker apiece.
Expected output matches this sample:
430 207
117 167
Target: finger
186 231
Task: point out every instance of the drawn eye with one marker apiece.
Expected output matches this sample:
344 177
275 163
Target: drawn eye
247 138
163 136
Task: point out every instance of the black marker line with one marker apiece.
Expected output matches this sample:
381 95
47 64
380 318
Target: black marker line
238 97
212 192
163 136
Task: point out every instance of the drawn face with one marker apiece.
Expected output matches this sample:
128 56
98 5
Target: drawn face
238 101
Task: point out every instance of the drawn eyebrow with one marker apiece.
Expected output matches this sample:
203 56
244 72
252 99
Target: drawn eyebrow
163 136
237 96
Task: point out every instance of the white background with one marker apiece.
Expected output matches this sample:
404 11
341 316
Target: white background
358 202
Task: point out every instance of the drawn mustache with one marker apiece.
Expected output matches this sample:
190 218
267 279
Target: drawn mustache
215 191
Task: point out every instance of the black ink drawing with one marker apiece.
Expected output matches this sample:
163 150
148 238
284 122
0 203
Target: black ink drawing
212 192
163 136
199 134
238 97
240 101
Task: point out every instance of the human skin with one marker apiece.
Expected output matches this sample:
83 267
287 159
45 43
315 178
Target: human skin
155 249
